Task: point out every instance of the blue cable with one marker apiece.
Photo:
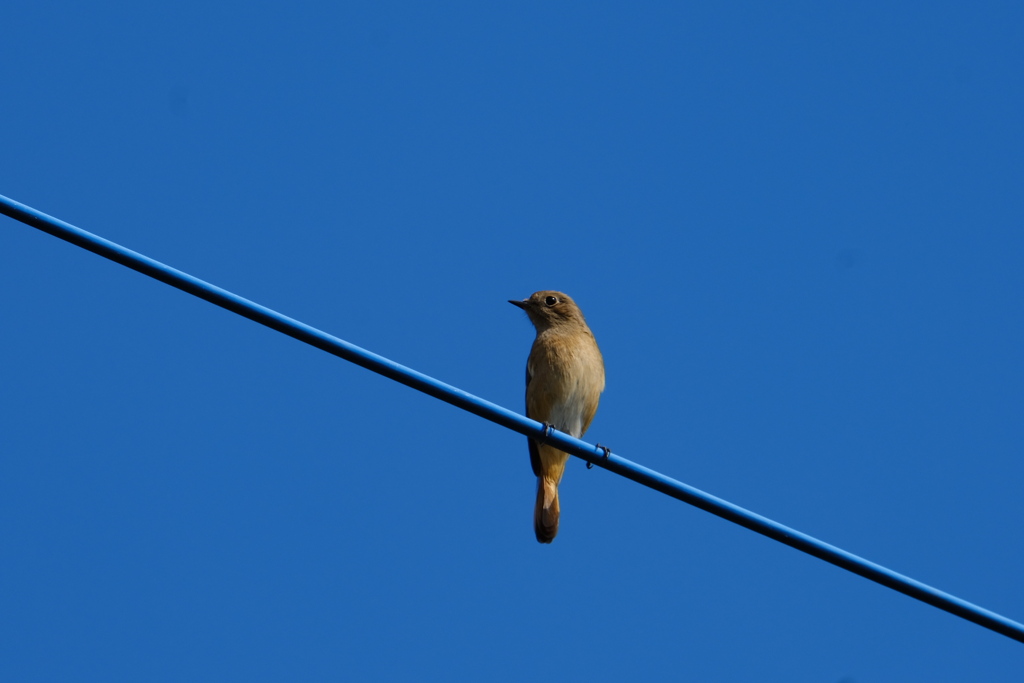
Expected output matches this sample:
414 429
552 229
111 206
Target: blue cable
507 418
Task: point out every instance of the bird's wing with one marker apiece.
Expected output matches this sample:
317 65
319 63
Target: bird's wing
534 454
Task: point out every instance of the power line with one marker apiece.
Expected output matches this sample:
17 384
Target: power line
512 420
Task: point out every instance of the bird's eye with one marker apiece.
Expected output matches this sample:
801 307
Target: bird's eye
551 300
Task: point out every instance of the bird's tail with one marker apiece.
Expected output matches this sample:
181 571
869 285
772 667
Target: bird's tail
545 512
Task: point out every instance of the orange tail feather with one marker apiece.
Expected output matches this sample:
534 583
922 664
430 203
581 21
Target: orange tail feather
545 512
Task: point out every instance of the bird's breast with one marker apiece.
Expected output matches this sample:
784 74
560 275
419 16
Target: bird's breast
566 381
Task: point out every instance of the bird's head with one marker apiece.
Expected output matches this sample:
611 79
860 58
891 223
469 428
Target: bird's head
550 309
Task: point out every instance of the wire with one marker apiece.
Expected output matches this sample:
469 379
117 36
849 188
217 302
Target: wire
514 421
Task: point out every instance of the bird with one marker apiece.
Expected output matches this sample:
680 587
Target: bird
564 381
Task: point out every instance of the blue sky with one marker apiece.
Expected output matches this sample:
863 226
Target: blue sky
794 229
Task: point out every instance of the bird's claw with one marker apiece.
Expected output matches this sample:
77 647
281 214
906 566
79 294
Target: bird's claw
607 452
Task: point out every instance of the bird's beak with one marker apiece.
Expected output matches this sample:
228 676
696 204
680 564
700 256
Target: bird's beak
521 304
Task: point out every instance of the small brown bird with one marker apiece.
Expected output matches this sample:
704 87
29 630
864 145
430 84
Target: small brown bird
564 381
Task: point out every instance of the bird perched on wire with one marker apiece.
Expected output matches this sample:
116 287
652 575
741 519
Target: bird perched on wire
564 381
